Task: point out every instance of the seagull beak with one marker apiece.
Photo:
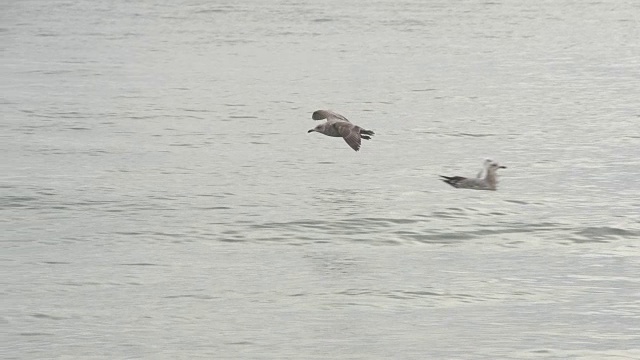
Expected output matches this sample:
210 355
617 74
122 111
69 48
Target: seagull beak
310 131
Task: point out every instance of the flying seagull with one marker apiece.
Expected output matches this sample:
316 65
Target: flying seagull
489 181
338 126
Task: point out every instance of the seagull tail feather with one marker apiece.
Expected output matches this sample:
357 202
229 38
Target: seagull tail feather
366 132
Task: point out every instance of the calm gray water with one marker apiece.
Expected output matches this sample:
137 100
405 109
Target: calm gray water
161 199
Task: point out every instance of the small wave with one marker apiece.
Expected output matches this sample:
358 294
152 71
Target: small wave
602 234
47 316
190 296
461 134
141 264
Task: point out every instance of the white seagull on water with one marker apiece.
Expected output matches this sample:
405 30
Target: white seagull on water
489 182
338 126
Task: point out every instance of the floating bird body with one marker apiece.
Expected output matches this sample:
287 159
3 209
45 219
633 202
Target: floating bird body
338 126
488 182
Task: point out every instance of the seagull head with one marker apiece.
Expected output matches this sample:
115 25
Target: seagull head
318 128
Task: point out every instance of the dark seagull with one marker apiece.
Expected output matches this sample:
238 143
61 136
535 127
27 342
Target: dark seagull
338 126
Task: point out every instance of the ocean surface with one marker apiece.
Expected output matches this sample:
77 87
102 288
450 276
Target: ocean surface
160 197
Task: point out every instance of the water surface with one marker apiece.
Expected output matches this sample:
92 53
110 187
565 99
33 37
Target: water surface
162 199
